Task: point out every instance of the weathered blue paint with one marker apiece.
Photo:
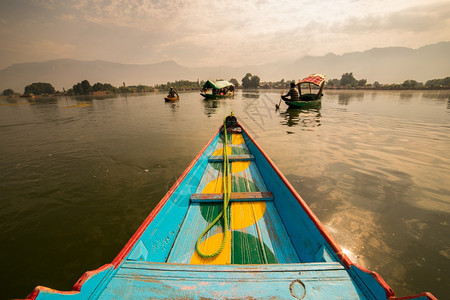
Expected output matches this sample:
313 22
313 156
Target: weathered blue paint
175 281
155 263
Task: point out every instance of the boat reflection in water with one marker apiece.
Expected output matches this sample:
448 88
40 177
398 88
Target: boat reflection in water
304 117
250 94
211 106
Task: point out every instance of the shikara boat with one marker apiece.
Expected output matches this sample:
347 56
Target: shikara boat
170 99
217 89
231 227
309 99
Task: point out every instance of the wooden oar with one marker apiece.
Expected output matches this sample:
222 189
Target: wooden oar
277 106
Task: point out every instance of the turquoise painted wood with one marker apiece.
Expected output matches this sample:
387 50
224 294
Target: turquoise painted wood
278 248
292 281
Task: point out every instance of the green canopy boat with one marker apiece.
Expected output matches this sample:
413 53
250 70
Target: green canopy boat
217 89
309 99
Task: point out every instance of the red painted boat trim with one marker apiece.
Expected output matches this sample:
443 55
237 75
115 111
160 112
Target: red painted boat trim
389 291
124 252
336 248
86 276
35 293
426 294
76 288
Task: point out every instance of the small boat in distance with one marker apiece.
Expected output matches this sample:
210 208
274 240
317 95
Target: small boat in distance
231 227
172 96
309 99
217 89
171 99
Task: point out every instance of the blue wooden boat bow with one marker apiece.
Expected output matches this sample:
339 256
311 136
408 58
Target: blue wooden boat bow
272 246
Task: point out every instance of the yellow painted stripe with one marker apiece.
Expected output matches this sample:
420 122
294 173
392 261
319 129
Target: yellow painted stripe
212 244
245 214
237 139
215 186
220 151
239 166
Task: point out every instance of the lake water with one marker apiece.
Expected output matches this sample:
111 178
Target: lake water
79 175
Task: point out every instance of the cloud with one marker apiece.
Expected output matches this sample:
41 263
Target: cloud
54 49
417 18
211 32
145 15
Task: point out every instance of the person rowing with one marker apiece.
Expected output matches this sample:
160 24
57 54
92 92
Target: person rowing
293 94
172 93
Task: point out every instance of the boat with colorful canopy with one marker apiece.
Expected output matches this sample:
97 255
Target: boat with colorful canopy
312 98
217 89
231 227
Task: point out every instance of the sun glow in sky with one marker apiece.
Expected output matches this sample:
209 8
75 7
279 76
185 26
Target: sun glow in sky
208 32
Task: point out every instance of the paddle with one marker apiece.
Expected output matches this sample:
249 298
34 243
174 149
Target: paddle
277 106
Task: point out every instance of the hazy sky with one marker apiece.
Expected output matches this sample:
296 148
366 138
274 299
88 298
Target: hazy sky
208 32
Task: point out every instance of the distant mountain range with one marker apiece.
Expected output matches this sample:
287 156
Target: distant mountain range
385 65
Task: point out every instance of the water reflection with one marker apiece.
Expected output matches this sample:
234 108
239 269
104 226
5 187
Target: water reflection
250 94
96 97
11 100
406 97
211 106
42 100
304 117
174 105
346 97
438 95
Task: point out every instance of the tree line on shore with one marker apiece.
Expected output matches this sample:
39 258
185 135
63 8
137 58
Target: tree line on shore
249 81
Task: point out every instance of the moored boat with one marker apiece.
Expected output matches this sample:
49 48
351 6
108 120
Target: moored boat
217 89
230 227
309 99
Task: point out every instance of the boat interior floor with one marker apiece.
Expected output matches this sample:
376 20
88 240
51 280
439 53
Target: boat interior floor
256 234
258 261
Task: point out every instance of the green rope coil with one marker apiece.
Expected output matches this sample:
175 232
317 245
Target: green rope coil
226 200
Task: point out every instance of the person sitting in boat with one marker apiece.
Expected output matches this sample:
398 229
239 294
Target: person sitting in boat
172 92
293 94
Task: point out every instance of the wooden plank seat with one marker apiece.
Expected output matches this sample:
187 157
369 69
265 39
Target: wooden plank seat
237 196
231 158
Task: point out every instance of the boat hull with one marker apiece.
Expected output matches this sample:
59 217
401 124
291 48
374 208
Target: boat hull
306 100
277 249
303 104
170 99
212 96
